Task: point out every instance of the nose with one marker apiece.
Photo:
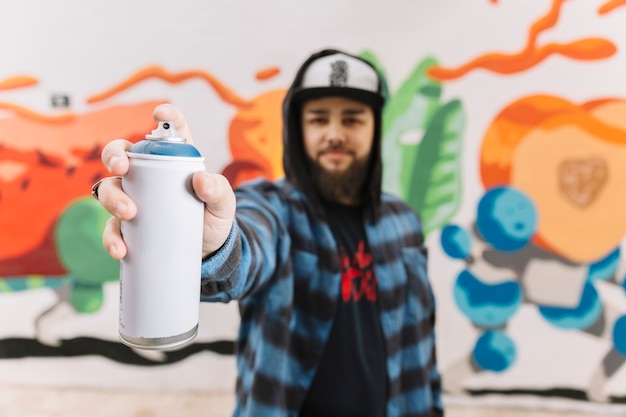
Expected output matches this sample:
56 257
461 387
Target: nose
336 133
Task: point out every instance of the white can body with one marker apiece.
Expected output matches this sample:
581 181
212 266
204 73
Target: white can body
160 275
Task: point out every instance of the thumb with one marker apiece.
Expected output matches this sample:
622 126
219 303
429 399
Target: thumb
219 209
217 194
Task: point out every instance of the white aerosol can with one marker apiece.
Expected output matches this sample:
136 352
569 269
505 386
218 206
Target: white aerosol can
160 275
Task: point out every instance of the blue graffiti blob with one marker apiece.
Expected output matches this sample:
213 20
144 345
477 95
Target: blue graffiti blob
486 305
605 267
581 317
619 335
506 218
455 241
494 351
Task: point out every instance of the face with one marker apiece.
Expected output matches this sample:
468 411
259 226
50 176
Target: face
338 134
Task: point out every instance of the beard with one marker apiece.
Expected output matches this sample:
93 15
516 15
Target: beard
336 186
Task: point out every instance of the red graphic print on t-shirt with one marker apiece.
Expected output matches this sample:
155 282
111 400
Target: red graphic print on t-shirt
357 275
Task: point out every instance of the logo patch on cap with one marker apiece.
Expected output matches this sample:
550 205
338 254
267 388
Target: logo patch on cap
339 74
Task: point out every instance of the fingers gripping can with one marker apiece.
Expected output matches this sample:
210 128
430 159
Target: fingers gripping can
160 275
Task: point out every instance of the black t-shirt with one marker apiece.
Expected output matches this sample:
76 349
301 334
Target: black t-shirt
351 379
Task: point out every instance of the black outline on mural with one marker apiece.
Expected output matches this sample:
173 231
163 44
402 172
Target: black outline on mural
19 348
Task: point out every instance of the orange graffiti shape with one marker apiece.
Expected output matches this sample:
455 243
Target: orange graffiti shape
532 54
44 166
17 82
255 132
30 114
174 78
610 6
568 159
255 140
267 73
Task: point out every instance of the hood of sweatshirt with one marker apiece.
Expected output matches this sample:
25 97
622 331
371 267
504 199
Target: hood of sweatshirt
329 73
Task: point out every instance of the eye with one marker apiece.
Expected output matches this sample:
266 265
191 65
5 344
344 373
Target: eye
317 120
351 121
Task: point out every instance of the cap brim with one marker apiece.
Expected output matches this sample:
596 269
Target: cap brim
372 99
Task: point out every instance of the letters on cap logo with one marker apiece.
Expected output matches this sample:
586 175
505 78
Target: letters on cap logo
339 74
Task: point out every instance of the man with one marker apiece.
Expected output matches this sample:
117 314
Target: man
337 314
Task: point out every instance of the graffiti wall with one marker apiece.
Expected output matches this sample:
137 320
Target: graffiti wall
505 128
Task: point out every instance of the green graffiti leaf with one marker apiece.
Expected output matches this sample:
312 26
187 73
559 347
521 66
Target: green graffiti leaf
405 118
434 190
78 238
422 145
372 59
87 299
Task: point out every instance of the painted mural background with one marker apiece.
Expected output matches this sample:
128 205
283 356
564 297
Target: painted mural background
505 128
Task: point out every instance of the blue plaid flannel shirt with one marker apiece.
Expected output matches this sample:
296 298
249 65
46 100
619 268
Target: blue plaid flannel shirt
283 268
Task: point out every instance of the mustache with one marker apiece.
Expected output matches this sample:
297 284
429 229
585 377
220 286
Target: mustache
335 148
